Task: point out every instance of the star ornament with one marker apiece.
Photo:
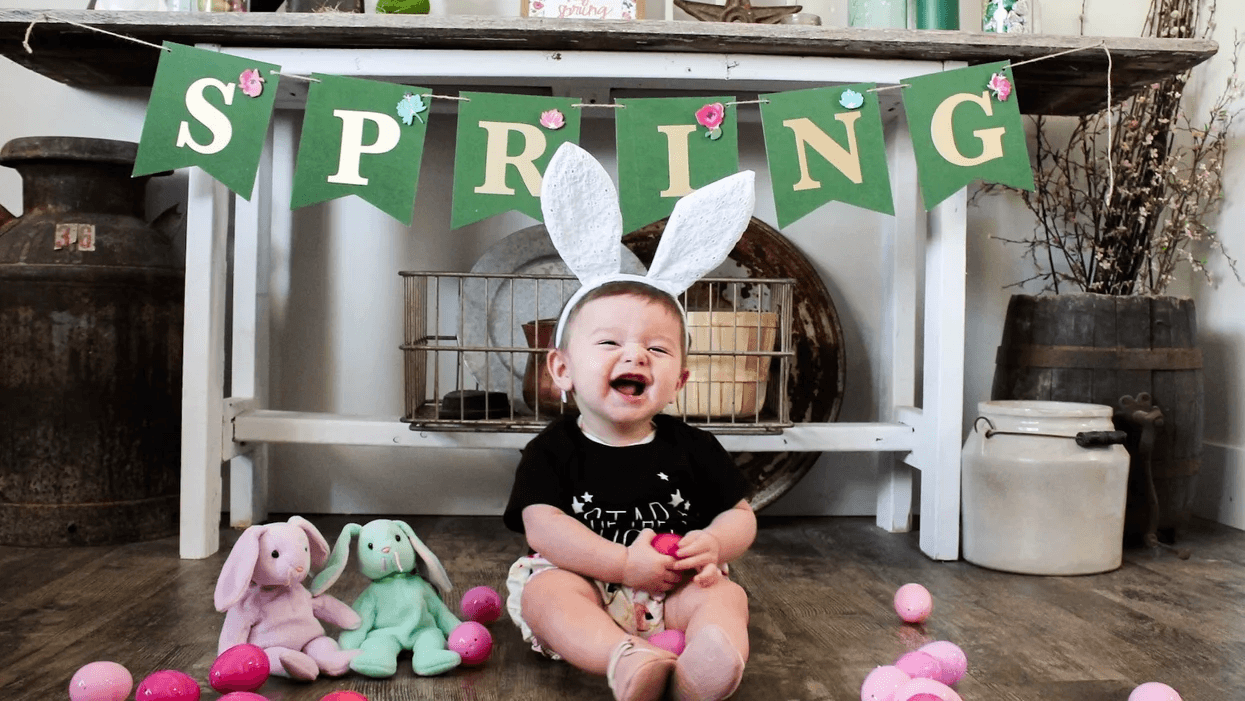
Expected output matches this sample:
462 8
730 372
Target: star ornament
736 11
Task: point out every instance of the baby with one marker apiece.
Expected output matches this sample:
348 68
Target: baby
592 490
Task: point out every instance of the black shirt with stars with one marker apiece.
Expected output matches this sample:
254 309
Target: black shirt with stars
676 483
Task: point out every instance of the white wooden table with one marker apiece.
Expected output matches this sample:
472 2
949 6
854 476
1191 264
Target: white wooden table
582 59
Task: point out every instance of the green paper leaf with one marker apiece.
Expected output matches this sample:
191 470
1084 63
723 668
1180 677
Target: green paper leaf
199 115
354 142
820 151
664 153
962 132
502 151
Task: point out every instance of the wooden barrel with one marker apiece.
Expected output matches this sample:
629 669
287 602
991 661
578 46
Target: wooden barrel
1098 348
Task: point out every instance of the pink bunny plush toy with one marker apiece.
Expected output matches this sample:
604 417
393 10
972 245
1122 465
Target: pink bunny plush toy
265 603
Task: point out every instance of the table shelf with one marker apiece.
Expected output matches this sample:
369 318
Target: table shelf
923 279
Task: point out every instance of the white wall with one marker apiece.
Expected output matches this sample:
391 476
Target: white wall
338 335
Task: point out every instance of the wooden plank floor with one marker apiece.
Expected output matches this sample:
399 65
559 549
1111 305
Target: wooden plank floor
820 593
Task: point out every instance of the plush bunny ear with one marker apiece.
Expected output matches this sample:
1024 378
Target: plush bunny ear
703 228
580 205
436 573
235 575
337 561
319 546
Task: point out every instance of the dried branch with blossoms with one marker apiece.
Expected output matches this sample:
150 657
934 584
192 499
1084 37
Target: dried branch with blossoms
1130 194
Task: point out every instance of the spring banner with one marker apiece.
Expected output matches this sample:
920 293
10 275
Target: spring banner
366 138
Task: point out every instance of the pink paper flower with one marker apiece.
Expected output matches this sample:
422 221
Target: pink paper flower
552 119
710 116
252 82
1000 86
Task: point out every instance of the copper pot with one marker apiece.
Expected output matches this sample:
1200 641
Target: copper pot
539 392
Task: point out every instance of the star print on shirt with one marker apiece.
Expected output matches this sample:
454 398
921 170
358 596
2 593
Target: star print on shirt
663 476
587 498
676 498
577 505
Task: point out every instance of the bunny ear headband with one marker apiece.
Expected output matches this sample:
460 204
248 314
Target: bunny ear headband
584 222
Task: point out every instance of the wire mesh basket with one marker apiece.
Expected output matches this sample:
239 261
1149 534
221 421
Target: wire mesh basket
475 345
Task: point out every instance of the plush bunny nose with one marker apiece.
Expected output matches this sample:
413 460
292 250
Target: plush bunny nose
385 550
299 569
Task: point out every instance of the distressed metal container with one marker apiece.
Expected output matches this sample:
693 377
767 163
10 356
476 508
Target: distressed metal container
90 351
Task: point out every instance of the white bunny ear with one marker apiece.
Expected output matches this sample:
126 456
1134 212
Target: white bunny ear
701 231
581 211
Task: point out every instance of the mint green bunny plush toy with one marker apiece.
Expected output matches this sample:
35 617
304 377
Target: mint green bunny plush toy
400 608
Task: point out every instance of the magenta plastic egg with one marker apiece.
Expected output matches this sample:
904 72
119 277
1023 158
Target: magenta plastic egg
672 640
1154 691
472 642
950 657
242 696
344 696
481 604
100 681
666 543
240 668
917 664
882 683
913 603
925 690
167 685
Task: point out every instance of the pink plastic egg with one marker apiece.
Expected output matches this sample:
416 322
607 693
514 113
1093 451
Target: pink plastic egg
917 664
913 603
472 642
481 604
1154 691
240 668
344 696
666 543
672 640
882 683
926 690
167 685
242 696
100 681
951 658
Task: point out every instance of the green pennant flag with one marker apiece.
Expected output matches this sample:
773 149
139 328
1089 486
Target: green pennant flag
504 144
207 109
825 144
668 147
966 125
361 137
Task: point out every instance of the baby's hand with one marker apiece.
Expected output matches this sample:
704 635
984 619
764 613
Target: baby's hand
708 576
699 550
647 569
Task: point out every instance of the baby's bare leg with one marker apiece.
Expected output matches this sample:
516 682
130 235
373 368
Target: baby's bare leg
715 622
691 607
565 613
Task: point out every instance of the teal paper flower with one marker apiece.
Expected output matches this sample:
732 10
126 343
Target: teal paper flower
409 108
851 99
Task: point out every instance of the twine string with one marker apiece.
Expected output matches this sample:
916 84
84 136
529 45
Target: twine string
49 18
1110 135
1101 44
295 76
